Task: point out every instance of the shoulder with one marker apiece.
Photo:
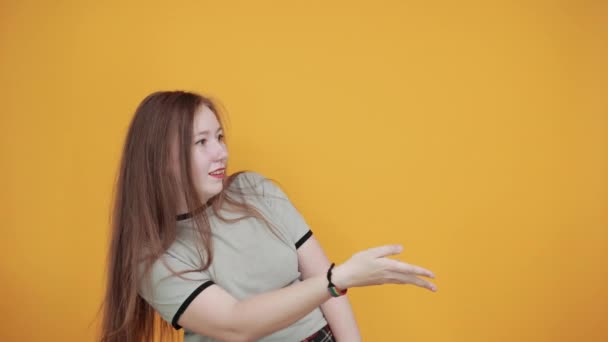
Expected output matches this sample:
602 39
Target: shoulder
257 186
249 177
255 183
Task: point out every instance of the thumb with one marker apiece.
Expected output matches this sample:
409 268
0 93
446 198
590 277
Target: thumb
382 251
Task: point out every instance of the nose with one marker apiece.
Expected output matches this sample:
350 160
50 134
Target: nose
220 151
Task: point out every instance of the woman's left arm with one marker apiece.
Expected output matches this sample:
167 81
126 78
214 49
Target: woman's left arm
337 311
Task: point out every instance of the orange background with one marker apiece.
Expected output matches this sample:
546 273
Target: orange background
475 133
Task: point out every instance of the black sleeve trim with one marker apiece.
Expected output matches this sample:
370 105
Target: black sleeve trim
303 239
187 302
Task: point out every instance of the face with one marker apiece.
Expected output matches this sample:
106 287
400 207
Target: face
209 154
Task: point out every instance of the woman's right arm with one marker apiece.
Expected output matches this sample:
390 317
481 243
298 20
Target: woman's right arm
217 314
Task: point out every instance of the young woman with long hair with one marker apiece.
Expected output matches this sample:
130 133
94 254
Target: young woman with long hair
225 257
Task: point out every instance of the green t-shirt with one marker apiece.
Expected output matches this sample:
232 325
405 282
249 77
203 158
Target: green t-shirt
248 259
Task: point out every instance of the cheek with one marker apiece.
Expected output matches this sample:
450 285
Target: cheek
199 173
203 181
200 164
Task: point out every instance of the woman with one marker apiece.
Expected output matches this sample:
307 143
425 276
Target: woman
225 257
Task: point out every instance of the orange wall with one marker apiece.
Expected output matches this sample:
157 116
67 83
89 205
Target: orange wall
474 133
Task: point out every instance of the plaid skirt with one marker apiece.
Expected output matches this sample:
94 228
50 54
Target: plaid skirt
323 335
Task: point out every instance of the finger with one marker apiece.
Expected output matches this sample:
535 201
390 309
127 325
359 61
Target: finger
409 279
402 267
378 252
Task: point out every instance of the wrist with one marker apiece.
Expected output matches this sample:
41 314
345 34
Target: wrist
340 277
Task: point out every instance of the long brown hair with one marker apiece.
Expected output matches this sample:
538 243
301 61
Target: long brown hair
144 212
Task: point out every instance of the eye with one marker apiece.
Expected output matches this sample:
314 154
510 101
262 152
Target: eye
202 142
220 137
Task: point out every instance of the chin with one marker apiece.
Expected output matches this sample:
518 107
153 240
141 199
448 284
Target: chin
212 192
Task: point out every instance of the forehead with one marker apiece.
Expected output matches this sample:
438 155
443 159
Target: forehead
205 120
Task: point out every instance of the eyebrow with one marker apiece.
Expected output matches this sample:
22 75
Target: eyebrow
207 132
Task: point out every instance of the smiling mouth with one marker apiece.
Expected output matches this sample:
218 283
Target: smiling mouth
218 173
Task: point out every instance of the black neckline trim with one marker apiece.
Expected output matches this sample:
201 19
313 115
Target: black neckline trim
185 216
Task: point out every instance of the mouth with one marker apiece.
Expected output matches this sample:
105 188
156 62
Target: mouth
219 173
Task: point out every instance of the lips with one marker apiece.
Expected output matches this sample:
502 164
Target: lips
218 172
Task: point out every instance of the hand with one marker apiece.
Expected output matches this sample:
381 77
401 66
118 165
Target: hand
371 267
